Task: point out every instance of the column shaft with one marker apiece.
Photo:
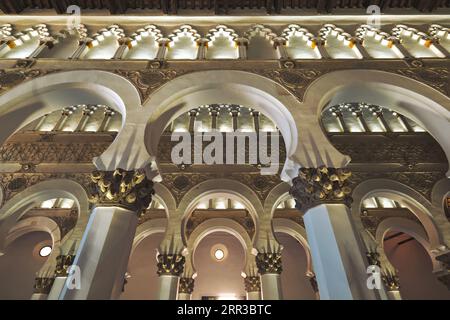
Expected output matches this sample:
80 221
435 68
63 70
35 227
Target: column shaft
338 262
103 254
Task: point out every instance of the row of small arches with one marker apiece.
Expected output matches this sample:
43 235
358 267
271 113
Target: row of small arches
222 42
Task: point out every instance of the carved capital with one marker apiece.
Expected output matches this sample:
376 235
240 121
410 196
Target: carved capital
444 274
128 189
43 285
186 285
269 262
315 186
373 258
391 281
313 282
170 264
63 262
252 284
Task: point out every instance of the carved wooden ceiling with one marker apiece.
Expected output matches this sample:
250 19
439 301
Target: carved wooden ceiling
223 6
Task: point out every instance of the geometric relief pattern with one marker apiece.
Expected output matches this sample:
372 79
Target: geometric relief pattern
51 152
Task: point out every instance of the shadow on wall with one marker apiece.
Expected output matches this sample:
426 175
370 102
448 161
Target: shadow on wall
295 284
143 284
414 268
19 265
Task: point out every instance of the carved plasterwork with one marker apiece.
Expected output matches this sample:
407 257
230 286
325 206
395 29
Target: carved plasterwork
38 152
170 264
13 183
260 184
186 285
295 80
179 184
269 262
252 284
371 218
422 182
315 186
12 77
437 78
147 81
43 285
128 189
405 149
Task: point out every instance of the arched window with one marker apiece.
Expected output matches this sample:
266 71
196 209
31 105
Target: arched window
300 44
144 43
339 44
24 43
419 44
183 43
222 43
362 117
80 118
377 43
441 34
260 44
222 117
104 44
66 43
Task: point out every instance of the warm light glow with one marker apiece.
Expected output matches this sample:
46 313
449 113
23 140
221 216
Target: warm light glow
369 203
45 251
67 203
386 203
48 204
227 296
219 254
238 205
203 205
220 205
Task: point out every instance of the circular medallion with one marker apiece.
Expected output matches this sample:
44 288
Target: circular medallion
181 182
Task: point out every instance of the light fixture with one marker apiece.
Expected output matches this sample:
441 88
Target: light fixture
45 251
219 254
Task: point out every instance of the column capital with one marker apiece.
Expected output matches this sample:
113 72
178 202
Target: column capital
127 189
269 262
313 282
391 280
186 285
315 186
444 274
170 264
252 284
43 285
63 262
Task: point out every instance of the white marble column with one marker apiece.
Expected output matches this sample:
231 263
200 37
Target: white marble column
269 266
63 263
103 254
170 267
99 267
338 262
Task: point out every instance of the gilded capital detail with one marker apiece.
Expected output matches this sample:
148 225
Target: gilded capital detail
43 285
269 262
170 264
252 284
315 186
63 262
391 281
186 285
128 189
